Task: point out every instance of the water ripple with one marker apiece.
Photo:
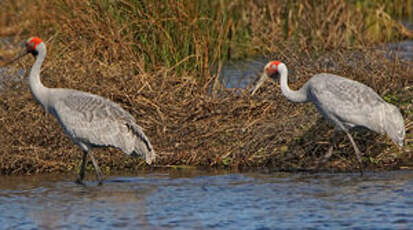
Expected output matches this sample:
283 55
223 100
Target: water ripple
223 201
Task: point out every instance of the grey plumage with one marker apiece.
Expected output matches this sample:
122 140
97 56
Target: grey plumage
346 103
349 104
89 120
97 122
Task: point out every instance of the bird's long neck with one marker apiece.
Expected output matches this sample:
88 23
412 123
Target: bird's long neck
292 95
40 92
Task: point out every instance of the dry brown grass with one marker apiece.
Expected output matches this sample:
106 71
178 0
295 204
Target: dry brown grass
90 50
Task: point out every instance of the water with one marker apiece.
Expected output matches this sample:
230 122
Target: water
243 73
8 75
199 200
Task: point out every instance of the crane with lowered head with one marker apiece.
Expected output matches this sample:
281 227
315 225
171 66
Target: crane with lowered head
346 103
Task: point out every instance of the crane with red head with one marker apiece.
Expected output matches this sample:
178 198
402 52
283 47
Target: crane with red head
89 120
344 102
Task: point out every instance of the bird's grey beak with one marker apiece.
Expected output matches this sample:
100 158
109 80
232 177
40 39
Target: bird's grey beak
259 83
150 158
19 55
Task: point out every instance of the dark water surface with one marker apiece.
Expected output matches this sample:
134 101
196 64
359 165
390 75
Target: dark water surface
200 200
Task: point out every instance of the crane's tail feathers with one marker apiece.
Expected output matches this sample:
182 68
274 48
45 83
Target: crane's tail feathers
394 125
142 145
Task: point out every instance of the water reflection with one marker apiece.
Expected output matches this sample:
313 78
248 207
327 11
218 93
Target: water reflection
199 200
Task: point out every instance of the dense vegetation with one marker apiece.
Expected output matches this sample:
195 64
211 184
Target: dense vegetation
154 58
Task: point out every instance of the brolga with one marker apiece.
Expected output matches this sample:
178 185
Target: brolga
89 120
346 103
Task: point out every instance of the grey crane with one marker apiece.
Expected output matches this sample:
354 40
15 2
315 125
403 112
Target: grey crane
346 103
89 120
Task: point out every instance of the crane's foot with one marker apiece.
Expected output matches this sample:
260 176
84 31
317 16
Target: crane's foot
361 168
79 181
99 176
358 155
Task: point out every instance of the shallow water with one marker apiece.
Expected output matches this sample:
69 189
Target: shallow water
199 200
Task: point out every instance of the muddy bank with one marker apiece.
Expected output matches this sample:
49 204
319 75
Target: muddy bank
189 126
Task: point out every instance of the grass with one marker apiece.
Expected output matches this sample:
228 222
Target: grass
154 59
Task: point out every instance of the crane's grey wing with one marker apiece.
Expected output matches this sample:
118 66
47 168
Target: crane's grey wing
347 102
96 121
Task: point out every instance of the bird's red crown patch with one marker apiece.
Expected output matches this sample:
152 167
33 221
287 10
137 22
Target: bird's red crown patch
34 41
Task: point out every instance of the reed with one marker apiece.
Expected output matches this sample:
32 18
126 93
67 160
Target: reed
154 58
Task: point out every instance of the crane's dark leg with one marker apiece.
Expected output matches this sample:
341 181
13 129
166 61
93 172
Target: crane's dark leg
358 153
98 172
81 175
